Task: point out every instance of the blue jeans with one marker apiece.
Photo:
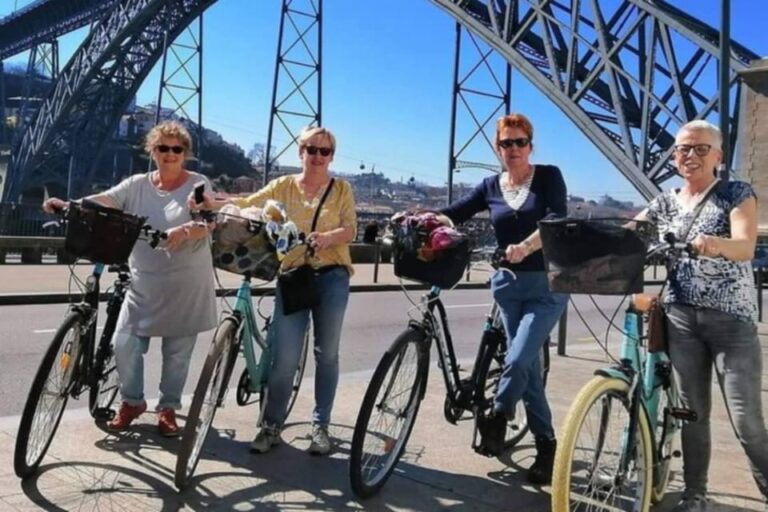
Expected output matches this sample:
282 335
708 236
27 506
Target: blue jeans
287 336
129 358
529 311
700 338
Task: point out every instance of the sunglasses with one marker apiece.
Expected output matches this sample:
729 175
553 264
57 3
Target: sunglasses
162 148
508 143
313 150
699 149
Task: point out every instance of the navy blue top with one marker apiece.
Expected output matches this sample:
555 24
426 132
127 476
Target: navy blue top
546 199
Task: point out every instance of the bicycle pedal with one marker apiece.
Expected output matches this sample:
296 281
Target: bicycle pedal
683 414
104 414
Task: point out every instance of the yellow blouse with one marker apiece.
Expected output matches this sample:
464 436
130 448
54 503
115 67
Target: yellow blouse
338 211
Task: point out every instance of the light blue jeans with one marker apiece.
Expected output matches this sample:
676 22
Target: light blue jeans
529 311
703 338
287 335
129 358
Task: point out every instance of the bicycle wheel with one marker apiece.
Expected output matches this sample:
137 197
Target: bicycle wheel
299 375
587 473
209 391
388 412
662 468
48 396
488 378
105 383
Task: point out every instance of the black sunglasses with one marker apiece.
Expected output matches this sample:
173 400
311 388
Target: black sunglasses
508 143
313 150
163 148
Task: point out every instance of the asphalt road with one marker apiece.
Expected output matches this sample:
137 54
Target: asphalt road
373 320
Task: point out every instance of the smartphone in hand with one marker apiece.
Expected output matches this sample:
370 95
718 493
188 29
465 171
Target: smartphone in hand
199 189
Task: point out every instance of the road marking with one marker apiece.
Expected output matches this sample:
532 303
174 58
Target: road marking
460 306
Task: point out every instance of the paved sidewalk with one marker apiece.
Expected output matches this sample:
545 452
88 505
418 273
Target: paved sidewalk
89 469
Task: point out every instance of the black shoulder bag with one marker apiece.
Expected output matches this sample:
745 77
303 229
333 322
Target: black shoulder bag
658 340
297 285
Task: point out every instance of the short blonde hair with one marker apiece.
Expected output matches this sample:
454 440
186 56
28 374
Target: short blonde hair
514 121
310 131
169 129
700 125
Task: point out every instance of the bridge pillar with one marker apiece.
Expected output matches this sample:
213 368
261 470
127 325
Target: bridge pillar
753 139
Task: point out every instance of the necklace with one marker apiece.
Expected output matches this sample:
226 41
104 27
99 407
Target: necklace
515 195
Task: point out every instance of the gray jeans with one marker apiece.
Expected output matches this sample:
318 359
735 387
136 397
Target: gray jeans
699 337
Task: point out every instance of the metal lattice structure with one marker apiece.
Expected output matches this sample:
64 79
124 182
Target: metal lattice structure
481 93
45 20
297 88
43 64
628 73
181 81
77 119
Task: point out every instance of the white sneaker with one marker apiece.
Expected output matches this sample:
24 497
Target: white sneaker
321 442
696 502
266 439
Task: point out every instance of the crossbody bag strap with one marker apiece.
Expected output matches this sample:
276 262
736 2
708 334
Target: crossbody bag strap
696 212
310 252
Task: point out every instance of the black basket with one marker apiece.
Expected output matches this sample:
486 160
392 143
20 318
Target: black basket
595 256
444 271
238 249
101 234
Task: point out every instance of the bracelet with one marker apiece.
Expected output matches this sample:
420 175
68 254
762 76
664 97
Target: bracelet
528 245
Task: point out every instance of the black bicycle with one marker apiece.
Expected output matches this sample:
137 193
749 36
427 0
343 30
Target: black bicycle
399 383
76 360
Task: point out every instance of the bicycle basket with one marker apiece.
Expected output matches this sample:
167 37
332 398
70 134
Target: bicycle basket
595 256
237 249
444 271
101 234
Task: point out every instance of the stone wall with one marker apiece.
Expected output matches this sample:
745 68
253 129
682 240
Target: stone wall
752 155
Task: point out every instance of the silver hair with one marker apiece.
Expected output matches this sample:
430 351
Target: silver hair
704 126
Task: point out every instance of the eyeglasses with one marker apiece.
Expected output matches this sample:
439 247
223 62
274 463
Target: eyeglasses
699 149
163 148
313 150
520 142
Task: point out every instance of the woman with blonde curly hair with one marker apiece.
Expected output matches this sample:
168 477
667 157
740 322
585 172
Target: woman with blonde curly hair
172 292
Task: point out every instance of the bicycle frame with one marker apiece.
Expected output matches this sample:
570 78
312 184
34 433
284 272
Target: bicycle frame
648 375
248 333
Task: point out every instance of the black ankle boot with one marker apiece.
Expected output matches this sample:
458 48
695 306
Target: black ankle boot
493 429
540 472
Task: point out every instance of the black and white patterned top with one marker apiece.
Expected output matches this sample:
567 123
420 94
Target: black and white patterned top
715 283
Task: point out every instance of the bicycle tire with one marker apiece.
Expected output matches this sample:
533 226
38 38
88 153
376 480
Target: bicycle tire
663 468
299 375
488 377
604 392
369 471
205 400
105 384
39 423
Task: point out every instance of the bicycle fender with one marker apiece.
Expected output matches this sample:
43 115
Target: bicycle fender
613 373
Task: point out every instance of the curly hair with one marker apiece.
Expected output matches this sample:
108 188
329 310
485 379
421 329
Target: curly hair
169 129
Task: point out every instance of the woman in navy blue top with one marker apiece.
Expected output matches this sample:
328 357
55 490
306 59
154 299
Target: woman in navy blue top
517 199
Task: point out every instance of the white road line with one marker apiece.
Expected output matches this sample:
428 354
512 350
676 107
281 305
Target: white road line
460 306
51 331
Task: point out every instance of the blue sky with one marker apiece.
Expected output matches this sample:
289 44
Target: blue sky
387 86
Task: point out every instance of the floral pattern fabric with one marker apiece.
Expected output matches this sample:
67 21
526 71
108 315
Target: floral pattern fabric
715 283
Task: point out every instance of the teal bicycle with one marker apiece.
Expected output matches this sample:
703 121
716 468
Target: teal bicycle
618 440
237 332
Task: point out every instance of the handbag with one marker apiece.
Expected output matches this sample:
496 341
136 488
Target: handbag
297 285
658 340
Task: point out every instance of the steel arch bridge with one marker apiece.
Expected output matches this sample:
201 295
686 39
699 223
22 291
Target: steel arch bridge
628 75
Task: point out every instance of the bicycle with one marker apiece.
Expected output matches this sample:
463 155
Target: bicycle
391 403
75 362
237 332
618 438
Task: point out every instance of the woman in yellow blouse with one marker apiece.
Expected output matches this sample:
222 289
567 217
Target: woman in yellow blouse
336 228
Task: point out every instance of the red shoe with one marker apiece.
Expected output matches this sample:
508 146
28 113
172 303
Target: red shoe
166 423
126 415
